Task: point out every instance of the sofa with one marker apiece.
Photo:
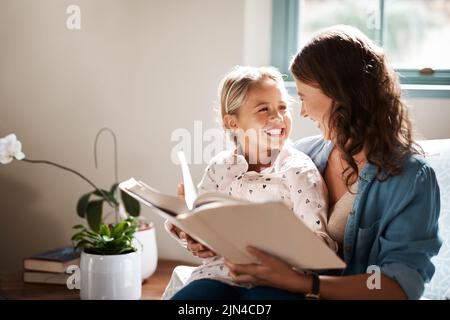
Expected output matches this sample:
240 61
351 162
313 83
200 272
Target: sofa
438 155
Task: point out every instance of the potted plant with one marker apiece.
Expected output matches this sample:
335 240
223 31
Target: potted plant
90 205
110 262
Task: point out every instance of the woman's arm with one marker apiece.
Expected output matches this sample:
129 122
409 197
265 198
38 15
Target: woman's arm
331 288
276 273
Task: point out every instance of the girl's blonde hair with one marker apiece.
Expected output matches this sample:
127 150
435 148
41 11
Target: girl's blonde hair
234 86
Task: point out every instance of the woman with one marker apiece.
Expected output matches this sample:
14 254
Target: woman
384 197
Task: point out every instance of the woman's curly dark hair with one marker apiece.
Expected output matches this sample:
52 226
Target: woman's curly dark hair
367 112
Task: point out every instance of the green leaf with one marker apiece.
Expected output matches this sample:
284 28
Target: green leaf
83 204
83 244
94 214
113 189
127 250
104 230
107 239
132 206
118 229
108 196
78 226
98 193
77 236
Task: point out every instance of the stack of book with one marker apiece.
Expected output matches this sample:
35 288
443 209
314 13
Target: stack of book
50 267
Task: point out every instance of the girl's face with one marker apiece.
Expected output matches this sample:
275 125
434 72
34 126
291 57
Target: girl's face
263 122
315 105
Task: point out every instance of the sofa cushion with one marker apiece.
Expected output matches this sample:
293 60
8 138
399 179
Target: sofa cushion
438 155
180 276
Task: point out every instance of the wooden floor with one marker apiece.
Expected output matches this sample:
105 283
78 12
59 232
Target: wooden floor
12 286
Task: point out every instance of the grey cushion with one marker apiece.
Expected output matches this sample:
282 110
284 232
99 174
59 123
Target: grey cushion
439 158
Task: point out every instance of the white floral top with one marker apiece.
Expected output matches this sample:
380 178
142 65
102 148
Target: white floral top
293 178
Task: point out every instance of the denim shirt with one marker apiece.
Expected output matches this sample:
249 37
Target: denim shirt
393 223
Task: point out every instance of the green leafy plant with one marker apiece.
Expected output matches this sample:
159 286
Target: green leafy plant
109 240
90 205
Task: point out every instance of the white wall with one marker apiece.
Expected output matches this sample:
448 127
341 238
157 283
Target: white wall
430 117
142 68
257 32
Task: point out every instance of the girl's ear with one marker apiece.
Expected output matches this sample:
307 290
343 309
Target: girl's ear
230 121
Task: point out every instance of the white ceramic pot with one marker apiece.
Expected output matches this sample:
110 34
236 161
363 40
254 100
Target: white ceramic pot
115 277
145 240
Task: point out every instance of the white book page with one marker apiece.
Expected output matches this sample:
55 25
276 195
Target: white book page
271 227
216 197
190 191
145 194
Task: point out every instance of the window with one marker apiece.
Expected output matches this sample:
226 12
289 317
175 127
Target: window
415 35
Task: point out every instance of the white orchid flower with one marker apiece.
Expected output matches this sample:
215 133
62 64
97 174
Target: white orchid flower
10 148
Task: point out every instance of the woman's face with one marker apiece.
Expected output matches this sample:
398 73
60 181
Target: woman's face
315 105
263 121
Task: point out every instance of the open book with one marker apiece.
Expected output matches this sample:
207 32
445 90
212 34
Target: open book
228 225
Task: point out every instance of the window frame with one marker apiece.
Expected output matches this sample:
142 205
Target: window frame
285 22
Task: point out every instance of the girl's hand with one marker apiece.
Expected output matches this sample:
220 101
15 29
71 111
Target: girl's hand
271 272
196 248
193 246
181 190
173 229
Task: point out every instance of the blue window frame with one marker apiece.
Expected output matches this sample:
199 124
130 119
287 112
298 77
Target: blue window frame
426 82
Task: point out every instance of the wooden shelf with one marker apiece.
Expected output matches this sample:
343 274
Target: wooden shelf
13 287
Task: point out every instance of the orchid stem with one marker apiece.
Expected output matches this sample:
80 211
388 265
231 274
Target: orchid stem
112 204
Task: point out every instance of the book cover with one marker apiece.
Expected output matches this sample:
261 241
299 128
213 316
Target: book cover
45 277
55 261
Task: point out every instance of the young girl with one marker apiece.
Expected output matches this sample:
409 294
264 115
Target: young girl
262 167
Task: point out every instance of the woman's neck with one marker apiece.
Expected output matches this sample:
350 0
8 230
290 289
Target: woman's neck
359 158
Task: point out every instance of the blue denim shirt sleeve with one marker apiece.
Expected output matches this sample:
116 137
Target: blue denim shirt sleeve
406 234
411 237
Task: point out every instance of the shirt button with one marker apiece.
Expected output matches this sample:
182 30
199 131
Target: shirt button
352 212
348 249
